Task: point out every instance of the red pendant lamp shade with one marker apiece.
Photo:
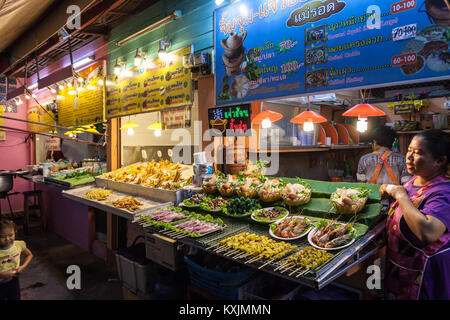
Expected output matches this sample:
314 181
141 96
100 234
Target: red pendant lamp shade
364 110
309 116
267 114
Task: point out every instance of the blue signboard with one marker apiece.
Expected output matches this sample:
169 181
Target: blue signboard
268 48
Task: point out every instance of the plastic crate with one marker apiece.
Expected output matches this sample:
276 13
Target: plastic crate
134 268
134 276
268 287
223 285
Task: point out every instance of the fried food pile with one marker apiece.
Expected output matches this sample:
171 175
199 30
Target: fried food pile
97 194
128 203
162 174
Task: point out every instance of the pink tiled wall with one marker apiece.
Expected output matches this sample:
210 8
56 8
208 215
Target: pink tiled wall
15 154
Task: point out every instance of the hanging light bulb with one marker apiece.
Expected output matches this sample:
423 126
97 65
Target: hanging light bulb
308 118
52 90
158 133
129 126
266 123
308 126
34 95
266 117
100 82
163 45
361 125
27 96
61 86
118 67
139 57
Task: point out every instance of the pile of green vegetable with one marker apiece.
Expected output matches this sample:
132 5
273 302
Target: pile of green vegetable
241 206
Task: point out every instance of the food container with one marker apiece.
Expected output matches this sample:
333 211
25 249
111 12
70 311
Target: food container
200 158
46 169
201 173
440 121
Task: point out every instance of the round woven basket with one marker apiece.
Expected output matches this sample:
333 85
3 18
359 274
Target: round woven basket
297 202
247 194
349 210
207 189
270 198
227 192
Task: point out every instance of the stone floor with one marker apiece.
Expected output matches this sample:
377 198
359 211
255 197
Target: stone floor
46 277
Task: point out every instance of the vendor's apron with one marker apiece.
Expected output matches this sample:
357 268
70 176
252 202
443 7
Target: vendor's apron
407 263
383 162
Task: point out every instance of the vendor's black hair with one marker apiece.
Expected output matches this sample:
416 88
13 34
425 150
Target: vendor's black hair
437 142
7 224
384 136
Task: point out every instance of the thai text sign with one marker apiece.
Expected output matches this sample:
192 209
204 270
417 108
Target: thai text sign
270 49
232 119
158 84
43 122
82 103
53 144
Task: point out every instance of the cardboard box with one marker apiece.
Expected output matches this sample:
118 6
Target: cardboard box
164 251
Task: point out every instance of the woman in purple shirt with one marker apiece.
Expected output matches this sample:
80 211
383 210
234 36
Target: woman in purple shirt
418 255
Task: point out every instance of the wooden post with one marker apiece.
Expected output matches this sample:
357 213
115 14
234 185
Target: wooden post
113 160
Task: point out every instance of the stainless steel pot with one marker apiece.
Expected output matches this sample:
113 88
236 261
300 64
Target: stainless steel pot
6 182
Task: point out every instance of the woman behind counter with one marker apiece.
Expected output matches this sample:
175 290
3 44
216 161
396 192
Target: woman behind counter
418 255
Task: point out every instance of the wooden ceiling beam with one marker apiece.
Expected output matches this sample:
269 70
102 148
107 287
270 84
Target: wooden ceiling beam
40 33
95 31
25 48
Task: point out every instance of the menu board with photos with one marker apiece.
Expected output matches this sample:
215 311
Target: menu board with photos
234 119
162 84
38 114
271 49
78 108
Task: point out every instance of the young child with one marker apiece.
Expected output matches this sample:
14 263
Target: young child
10 268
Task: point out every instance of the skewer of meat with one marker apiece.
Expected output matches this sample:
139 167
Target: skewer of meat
281 266
215 245
299 268
265 264
253 260
303 272
232 252
292 266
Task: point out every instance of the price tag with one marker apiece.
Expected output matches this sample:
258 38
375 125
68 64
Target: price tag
405 32
403 6
407 58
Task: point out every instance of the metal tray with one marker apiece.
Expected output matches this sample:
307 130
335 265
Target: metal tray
155 194
77 195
